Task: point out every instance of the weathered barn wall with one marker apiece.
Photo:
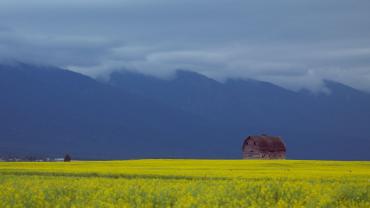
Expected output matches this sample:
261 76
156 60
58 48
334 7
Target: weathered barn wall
263 147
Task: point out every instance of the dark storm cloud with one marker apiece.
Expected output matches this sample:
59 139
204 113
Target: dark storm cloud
292 43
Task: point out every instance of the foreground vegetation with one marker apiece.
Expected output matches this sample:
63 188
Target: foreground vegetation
186 183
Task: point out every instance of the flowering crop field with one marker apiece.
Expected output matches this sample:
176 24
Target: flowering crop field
185 183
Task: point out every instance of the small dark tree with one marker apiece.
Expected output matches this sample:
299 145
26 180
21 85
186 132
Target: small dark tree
67 158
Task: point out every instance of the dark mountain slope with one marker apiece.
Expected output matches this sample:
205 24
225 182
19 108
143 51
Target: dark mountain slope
322 126
46 110
52 111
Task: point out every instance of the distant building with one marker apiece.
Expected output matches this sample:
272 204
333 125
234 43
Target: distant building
263 147
58 159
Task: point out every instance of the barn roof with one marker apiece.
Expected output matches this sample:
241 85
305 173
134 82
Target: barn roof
266 143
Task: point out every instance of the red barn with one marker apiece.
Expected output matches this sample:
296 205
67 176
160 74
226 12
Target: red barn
264 147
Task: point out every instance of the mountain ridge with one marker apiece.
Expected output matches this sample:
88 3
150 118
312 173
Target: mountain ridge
256 107
53 111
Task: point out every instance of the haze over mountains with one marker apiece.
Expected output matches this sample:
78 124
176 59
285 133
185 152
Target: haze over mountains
51 111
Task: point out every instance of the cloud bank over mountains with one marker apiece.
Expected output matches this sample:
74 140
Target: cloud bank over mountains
295 44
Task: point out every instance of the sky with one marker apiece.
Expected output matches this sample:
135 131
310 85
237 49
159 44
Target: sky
293 43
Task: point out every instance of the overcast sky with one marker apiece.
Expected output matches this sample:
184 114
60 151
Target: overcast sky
293 43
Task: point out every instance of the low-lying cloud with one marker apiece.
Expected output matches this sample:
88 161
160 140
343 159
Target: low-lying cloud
295 44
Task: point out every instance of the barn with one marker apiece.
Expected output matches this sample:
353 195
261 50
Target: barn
264 147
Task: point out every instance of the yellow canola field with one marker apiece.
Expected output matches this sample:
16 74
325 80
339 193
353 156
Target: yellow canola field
186 183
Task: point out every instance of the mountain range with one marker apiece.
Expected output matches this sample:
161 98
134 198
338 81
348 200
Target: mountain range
53 111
